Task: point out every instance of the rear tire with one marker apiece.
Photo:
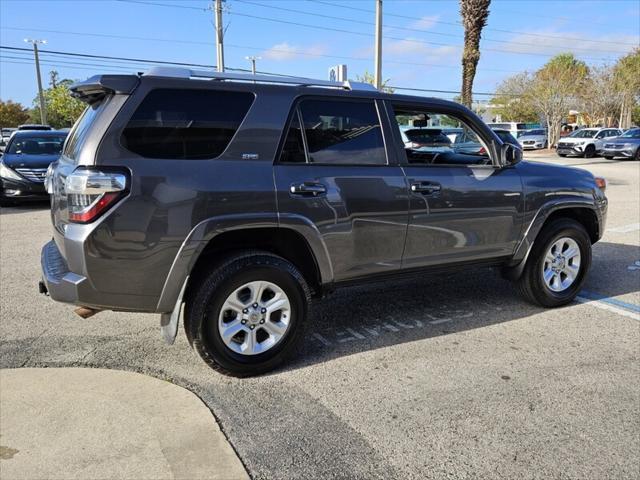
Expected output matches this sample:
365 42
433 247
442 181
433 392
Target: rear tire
260 343
534 286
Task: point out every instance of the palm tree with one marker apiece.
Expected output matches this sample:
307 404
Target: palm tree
474 17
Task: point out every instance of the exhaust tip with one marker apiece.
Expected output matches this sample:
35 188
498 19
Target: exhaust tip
86 312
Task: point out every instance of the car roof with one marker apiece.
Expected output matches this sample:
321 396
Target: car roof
38 133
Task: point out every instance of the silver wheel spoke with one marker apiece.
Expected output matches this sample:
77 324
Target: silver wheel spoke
253 317
561 265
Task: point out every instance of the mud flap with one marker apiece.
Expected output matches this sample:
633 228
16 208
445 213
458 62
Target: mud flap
169 321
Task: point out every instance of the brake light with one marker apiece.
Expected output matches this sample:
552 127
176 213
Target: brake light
91 192
601 183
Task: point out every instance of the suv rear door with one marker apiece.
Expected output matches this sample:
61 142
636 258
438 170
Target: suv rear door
336 175
463 208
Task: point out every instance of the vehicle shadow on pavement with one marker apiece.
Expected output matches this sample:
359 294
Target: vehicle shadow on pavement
379 315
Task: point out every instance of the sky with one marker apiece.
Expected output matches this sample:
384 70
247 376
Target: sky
421 38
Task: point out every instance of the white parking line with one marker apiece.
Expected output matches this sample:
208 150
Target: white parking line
632 227
610 308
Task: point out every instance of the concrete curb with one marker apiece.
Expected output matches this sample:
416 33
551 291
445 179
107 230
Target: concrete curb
85 423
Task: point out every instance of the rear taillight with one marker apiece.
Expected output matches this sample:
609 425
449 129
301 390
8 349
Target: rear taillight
91 192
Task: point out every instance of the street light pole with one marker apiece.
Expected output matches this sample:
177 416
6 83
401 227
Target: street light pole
219 35
253 63
378 61
43 107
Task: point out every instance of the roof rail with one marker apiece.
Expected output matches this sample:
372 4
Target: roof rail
246 77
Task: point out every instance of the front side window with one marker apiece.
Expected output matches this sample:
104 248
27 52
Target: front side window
342 132
185 124
434 138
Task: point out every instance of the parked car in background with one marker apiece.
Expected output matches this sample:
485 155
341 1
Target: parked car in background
515 128
626 145
34 126
5 134
534 139
24 163
468 143
586 142
417 138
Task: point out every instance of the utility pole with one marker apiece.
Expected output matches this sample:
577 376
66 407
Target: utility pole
43 107
219 35
378 64
253 63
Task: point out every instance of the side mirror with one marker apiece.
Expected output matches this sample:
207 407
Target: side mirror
511 154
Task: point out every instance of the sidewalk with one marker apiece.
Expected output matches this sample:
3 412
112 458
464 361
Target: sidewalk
83 423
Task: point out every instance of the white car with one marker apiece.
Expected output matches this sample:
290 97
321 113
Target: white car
586 142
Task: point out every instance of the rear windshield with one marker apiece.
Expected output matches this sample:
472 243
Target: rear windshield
37 145
78 133
427 136
185 124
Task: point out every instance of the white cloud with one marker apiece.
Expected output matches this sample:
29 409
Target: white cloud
418 51
426 22
596 47
281 52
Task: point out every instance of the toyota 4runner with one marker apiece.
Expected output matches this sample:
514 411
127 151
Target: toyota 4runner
242 197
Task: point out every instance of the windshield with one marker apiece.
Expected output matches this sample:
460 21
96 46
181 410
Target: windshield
635 133
49 145
584 134
427 136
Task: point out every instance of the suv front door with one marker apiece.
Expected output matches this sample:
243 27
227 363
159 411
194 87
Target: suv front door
463 207
334 174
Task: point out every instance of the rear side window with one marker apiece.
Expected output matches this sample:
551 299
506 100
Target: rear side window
343 132
185 124
78 133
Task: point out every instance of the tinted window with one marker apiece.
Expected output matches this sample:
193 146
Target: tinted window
185 124
293 148
427 136
49 145
343 132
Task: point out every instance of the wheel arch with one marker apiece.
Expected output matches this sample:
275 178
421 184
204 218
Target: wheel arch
297 241
583 213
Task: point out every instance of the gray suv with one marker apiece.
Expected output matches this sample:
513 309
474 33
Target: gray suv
242 198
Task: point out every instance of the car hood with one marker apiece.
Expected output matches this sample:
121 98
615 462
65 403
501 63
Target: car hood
535 138
575 140
28 161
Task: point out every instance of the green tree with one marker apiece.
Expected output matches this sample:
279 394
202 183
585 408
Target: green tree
369 78
62 109
512 101
12 114
555 89
474 17
626 74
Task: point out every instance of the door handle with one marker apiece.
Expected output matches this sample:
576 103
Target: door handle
425 188
308 189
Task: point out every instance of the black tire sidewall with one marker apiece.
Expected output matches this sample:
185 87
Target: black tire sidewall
212 295
555 231
589 151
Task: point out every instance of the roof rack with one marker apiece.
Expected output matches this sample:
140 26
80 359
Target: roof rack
174 72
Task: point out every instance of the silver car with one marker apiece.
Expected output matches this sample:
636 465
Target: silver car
533 139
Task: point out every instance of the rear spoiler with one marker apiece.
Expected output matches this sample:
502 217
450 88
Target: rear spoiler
95 88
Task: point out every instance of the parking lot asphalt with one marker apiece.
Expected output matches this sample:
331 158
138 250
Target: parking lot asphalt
451 376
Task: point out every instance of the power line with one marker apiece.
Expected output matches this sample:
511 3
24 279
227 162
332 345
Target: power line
410 29
459 24
409 40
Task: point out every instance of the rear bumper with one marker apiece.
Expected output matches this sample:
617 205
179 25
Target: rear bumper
65 286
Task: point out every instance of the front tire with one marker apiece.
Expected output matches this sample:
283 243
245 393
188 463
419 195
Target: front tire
247 315
558 264
590 151
608 157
